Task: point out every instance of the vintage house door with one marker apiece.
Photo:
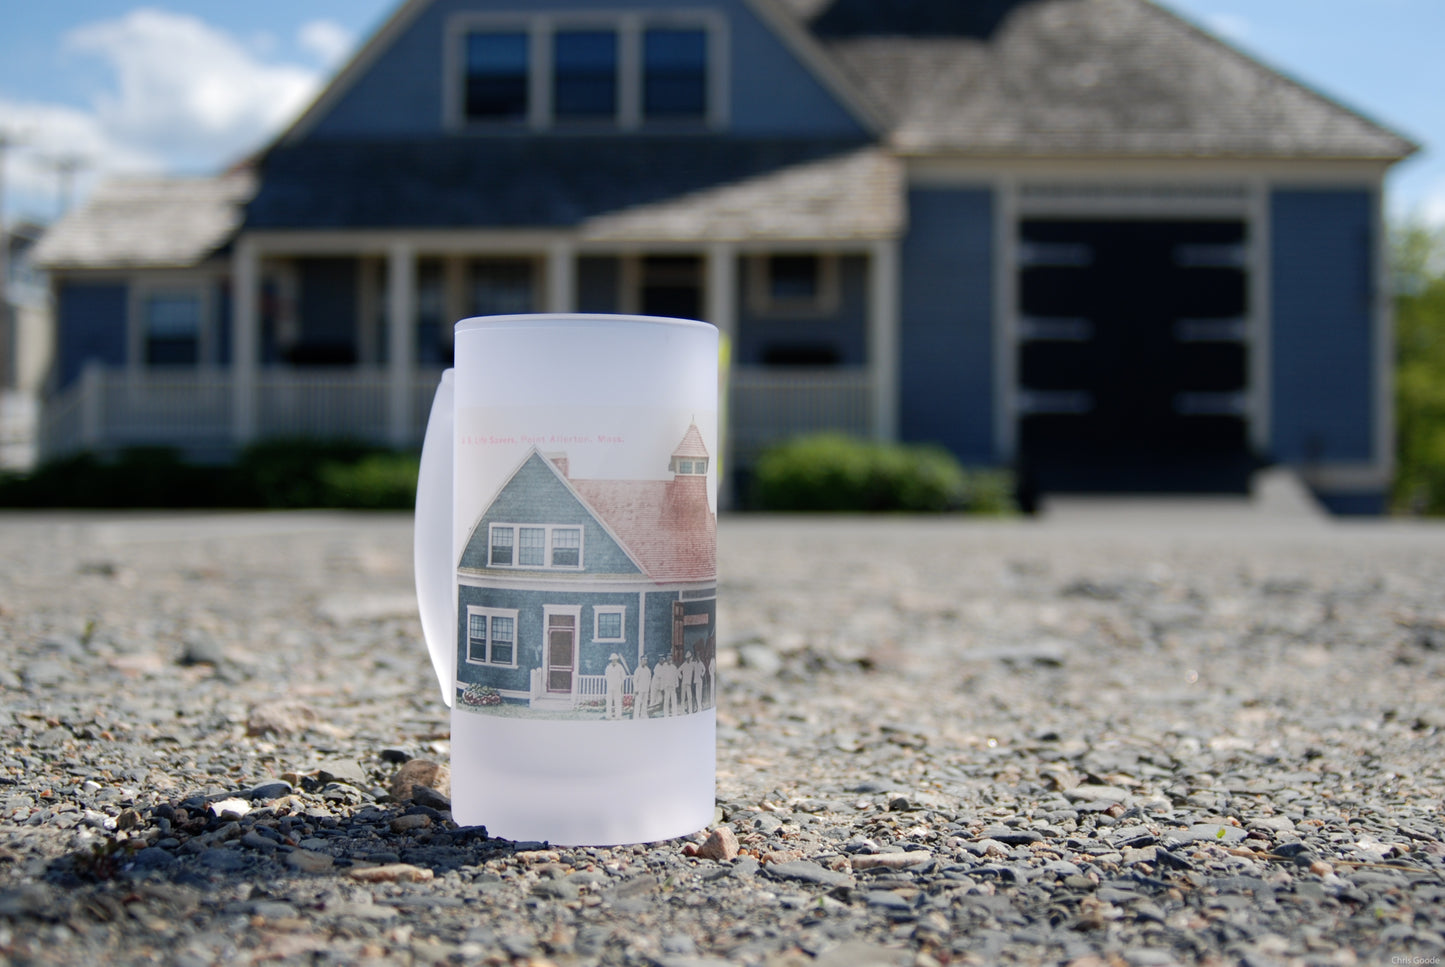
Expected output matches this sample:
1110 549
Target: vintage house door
561 652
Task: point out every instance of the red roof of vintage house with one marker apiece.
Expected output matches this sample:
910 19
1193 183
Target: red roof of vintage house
667 525
691 445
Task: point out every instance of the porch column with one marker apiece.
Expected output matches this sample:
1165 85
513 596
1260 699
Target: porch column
561 277
245 338
401 341
722 311
883 336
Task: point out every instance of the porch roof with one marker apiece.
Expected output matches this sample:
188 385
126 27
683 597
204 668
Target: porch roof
152 223
634 189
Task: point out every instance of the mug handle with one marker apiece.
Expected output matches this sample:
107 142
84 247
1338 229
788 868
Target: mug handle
432 541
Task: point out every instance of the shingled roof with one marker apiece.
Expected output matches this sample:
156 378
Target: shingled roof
1071 78
152 223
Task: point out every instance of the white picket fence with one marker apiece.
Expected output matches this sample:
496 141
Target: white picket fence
193 409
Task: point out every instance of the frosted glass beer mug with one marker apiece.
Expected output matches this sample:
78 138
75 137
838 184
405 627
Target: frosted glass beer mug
566 574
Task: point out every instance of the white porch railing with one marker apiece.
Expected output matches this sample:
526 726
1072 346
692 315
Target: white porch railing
193 410
767 406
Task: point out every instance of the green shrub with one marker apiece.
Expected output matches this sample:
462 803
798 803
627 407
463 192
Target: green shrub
378 481
832 472
1419 486
276 474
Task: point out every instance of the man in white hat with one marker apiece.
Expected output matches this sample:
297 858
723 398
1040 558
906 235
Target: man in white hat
641 689
616 679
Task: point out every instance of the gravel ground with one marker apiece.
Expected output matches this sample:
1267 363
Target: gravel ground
1099 739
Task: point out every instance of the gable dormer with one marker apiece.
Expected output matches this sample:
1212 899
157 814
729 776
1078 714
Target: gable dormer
490 67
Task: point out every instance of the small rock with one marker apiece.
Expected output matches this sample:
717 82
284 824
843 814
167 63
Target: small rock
721 845
391 873
406 824
202 652
890 861
236 808
307 861
806 871
429 797
271 790
281 718
225 860
348 771
152 858
420 772
128 819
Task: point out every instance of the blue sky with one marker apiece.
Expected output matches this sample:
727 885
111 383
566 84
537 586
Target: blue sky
187 86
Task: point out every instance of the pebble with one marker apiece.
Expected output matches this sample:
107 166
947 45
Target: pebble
989 742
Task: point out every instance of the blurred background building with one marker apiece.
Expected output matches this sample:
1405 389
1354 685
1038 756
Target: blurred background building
1081 238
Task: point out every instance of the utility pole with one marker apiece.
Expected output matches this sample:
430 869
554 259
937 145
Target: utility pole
7 327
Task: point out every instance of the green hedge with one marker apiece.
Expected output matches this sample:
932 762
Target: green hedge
275 474
831 472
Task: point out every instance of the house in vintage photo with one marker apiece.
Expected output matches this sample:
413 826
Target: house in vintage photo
562 576
1084 239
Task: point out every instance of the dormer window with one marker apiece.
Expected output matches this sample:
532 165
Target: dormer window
674 74
689 467
584 74
497 76
627 71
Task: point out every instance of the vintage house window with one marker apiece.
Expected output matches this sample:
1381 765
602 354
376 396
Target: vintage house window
684 466
674 74
172 321
793 285
538 546
628 70
497 75
608 622
491 636
584 74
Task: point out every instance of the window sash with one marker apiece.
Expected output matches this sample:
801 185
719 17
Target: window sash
497 75
491 637
605 620
584 74
674 73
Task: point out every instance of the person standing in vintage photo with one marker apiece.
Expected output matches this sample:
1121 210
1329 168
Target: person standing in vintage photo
615 678
641 689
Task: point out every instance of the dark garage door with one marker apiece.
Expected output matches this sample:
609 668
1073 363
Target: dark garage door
1132 356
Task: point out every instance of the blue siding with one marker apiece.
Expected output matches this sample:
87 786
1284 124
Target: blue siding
400 94
535 495
222 298
90 325
1322 366
845 332
946 327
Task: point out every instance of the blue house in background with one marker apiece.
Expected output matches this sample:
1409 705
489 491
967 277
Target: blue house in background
560 575
1082 238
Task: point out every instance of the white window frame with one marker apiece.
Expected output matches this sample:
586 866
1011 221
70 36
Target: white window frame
760 288
143 290
548 545
489 614
629 26
598 611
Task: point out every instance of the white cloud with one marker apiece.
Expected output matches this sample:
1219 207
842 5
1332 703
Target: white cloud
186 91
327 40
47 135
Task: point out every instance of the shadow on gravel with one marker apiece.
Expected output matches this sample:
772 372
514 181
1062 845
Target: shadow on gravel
171 859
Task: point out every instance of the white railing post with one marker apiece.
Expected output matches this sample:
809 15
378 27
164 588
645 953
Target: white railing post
401 341
561 277
245 339
883 337
92 405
